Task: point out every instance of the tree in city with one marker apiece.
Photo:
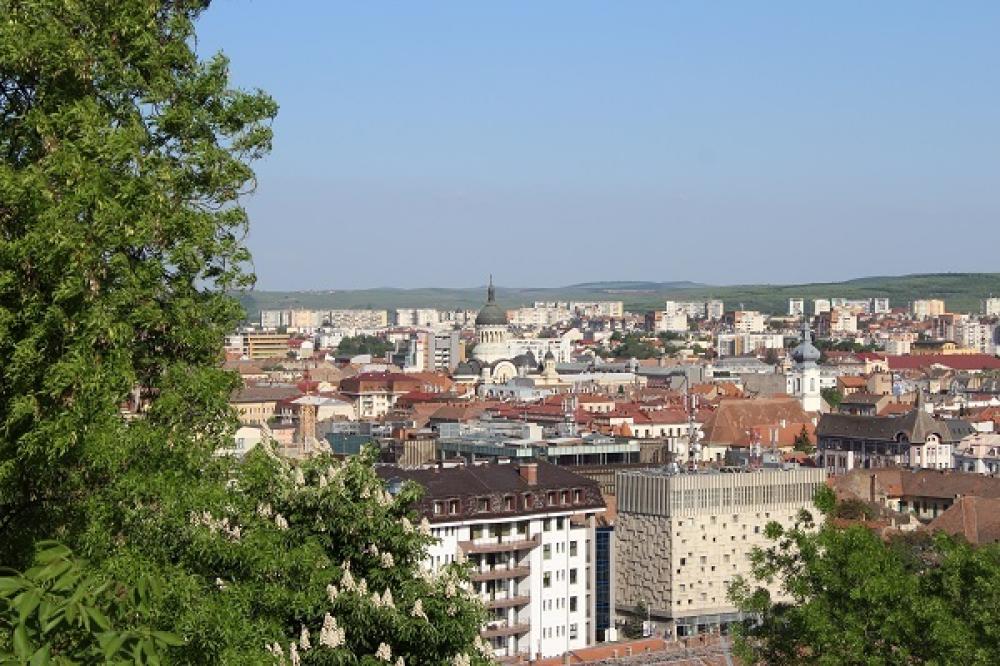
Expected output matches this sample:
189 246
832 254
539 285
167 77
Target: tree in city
832 396
125 159
633 627
803 442
847 596
364 344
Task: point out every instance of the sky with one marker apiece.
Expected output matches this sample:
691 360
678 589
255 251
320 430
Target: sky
431 143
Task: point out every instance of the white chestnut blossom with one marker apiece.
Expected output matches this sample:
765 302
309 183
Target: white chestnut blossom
407 525
418 609
293 654
425 527
280 522
387 599
387 560
265 511
347 580
300 478
461 660
331 635
400 662
332 592
304 639
384 652
450 590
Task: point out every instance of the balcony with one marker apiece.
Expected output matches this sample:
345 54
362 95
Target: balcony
498 573
499 546
498 629
505 601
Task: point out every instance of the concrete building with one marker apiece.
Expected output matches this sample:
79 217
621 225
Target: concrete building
257 345
680 539
528 531
927 308
416 317
981 336
660 321
978 453
796 307
821 305
880 306
714 310
357 319
745 321
991 307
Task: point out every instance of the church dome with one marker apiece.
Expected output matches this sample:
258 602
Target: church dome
806 352
491 314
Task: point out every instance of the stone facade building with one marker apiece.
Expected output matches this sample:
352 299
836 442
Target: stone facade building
681 538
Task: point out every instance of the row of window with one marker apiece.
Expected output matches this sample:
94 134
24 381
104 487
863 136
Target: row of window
559 548
560 576
508 503
557 632
556 604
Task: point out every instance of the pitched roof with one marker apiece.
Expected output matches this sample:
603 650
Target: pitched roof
954 361
733 417
975 518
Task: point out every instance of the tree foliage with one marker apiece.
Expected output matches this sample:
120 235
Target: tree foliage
364 344
848 597
803 442
833 396
124 160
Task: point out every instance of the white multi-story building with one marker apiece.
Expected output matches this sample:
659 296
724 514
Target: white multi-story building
991 307
682 538
981 336
880 306
738 344
275 318
615 309
676 321
747 321
927 308
714 309
539 317
796 307
979 453
417 317
357 318
821 305
691 309
527 529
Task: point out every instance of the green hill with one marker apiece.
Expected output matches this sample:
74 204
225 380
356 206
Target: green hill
962 292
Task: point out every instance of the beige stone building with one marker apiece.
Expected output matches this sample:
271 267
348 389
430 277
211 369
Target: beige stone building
681 538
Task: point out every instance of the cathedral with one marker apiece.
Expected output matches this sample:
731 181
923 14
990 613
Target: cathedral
498 356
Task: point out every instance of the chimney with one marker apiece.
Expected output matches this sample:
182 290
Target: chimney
871 488
529 472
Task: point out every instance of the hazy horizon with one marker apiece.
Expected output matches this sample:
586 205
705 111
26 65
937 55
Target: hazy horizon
567 142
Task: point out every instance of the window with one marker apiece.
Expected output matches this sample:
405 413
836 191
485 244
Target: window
438 508
577 496
565 497
572 604
508 503
559 523
529 500
551 497
572 548
546 579
572 576
683 561
572 631
453 507
547 552
482 504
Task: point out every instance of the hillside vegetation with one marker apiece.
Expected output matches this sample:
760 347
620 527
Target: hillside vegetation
962 292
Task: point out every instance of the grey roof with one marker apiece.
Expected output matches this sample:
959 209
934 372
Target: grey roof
491 314
916 425
806 352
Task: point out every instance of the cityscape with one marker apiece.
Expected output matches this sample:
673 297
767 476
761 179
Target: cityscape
464 334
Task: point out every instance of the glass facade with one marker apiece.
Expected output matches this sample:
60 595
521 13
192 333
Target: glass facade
604 537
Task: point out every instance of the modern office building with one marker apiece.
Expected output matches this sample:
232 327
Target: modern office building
681 538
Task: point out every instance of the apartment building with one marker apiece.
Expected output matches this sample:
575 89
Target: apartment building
983 337
539 317
714 310
796 307
375 393
417 317
745 321
259 345
836 322
355 319
681 538
528 531
927 308
660 321
613 309
821 305
991 307
691 309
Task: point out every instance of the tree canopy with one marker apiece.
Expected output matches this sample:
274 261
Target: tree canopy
364 344
849 597
125 157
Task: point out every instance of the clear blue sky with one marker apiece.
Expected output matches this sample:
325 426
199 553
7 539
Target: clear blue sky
429 143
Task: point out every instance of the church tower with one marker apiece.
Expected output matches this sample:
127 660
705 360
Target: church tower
804 378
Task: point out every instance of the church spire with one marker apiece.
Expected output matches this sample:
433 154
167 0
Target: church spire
491 295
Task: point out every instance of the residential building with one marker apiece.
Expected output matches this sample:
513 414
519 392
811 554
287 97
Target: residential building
660 321
714 310
416 317
260 345
682 538
528 532
978 453
612 309
745 321
741 344
375 393
272 319
991 307
821 305
880 306
927 308
918 440
796 307
981 336
836 323
690 309
255 405
357 319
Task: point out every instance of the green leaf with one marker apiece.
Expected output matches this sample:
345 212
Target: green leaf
41 656
26 603
167 638
22 646
10 585
99 618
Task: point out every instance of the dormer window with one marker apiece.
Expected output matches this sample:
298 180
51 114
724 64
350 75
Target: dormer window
508 503
529 501
565 497
453 507
438 508
577 496
552 498
482 504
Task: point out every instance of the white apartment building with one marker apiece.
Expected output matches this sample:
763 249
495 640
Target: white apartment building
365 319
978 453
821 305
539 317
738 344
615 309
417 317
927 308
691 309
527 529
981 336
880 306
681 538
714 309
991 307
747 321
796 307
666 320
